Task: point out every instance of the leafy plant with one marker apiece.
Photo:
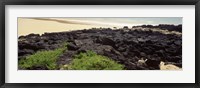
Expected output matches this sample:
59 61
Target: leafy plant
91 61
42 59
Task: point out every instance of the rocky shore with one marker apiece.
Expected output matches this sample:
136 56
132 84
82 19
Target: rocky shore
125 46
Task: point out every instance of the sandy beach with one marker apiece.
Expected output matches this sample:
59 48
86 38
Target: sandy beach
36 26
41 25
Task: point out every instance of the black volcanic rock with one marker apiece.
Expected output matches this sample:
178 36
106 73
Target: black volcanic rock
168 27
72 46
125 46
105 41
25 52
32 35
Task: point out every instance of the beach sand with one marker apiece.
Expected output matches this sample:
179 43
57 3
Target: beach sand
28 25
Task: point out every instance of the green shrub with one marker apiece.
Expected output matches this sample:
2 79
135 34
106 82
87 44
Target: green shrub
42 59
91 61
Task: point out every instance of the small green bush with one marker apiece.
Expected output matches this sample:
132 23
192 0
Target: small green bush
42 59
91 61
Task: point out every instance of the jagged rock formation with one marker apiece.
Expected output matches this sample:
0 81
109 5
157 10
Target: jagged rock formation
168 27
125 46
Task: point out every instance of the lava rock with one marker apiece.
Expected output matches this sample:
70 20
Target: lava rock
125 46
72 47
25 51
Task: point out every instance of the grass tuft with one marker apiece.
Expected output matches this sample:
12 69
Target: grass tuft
45 59
91 61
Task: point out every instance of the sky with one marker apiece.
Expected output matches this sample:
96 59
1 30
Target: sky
41 25
123 21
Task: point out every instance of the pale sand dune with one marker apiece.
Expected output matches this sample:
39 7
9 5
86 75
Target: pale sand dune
27 26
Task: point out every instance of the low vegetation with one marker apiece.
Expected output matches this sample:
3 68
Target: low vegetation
91 61
45 59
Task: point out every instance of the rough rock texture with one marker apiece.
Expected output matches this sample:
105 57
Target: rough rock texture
125 46
177 28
